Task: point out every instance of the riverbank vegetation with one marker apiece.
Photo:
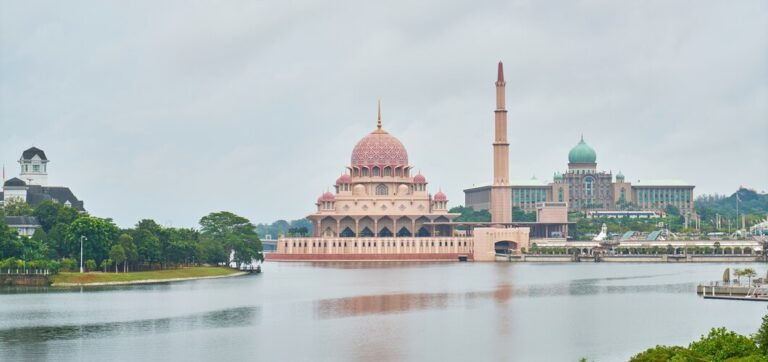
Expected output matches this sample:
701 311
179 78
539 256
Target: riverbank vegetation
106 247
154 275
719 345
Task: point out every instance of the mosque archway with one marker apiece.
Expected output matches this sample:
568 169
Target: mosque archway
366 233
347 233
385 232
506 247
423 232
404 232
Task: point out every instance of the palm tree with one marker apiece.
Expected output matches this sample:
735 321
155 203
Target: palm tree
749 273
738 273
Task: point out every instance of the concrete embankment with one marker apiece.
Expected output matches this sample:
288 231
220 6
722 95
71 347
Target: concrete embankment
30 280
562 258
145 281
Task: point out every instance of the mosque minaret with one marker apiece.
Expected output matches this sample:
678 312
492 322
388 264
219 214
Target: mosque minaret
501 191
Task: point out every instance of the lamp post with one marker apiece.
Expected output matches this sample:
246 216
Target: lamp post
82 237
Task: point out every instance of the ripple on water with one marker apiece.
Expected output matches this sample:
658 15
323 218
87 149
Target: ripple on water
224 318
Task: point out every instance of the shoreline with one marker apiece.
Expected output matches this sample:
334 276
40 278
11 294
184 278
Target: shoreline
147 281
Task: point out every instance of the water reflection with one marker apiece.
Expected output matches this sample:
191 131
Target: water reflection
233 317
399 303
405 302
379 304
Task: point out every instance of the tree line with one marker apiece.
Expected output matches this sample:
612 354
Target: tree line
221 238
719 344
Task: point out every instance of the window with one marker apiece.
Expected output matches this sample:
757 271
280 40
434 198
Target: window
35 168
375 171
398 172
382 190
357 172
560 195
365 172
387 171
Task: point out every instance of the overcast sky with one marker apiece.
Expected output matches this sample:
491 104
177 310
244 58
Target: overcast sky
173 109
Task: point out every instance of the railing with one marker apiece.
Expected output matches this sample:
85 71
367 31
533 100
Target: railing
27 272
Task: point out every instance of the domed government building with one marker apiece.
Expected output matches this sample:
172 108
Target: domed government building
584 188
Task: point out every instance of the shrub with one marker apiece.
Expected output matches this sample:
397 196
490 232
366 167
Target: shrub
721 344
667 353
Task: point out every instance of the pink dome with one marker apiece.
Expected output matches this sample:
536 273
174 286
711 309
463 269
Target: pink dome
440 196
419 179
327 196
344 179
379 148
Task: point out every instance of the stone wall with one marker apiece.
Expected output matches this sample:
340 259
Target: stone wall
26 280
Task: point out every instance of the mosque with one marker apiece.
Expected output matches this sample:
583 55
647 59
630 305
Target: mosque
380 210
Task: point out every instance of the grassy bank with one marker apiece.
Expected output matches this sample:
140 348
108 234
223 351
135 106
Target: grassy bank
157 275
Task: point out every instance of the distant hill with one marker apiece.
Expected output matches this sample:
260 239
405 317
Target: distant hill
752 203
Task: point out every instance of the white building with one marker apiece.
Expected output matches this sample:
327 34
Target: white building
24 225
32 184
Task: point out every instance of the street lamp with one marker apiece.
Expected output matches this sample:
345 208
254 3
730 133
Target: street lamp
82 237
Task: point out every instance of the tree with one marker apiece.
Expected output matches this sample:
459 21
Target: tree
90 264
117 253
761 337
129 248
147 235
468 214
10 244
57 240
105 264
749 273
721 344
99 234
17 207
49 213
667 353
234 233
672 210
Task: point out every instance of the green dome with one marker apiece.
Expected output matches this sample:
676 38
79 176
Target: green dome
582 153
619 176
558 176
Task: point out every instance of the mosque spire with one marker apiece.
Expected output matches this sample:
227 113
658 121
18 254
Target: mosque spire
500 75
378 124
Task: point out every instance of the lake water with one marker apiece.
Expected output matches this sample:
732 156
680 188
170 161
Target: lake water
378 312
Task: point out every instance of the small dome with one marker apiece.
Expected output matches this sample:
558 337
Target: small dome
558 176
419 179
32 152
344 179
440 196
327 196
15 182
582 153
619 176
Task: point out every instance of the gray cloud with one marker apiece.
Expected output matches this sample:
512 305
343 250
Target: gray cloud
170 110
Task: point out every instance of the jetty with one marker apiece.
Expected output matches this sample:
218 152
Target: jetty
728 289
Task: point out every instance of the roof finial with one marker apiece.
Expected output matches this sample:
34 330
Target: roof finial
582 137
500 75
378 124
